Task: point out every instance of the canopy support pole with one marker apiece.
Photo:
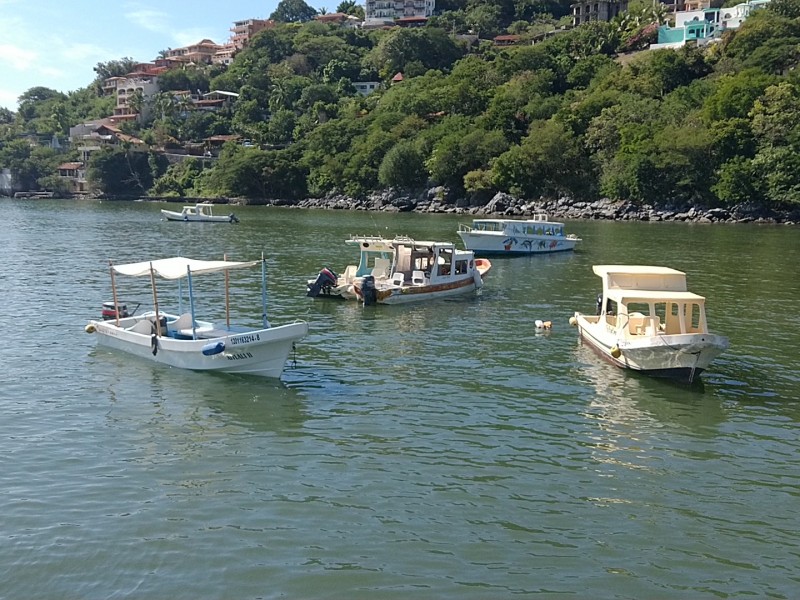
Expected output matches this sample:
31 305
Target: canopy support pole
114 290
155 299
227 297
264 291
191 300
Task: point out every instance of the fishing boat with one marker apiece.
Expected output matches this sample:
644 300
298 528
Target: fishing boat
516 236
423 271
647 321
376 256
180 339
200 212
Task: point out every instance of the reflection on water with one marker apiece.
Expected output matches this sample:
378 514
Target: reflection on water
624 397
449 447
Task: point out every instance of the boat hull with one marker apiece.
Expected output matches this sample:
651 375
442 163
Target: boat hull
498 243
679 357
423 293
176 216
260 352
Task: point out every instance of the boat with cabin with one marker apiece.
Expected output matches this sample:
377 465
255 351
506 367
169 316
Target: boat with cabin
184 341
422 271
538 235
376 256
200 212
647 321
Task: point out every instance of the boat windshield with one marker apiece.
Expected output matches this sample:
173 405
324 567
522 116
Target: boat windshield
371 260
487 226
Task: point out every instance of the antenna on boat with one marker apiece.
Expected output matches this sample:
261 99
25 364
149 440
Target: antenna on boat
114 290
227 296
264 290
375 223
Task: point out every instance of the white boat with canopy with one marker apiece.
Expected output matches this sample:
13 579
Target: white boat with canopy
200 212
181 340
647 321
538 235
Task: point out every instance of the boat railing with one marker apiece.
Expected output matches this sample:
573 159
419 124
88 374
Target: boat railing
464 228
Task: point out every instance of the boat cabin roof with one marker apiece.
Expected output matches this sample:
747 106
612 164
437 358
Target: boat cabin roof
641 278
379 244
628 296
177 267
538 219
603 270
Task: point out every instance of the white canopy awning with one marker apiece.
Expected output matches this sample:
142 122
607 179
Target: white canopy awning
652 295
175 268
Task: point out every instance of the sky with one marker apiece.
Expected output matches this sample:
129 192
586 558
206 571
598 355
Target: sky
57 43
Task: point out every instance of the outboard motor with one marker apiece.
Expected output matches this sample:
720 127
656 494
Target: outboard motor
325 281
368 291
110 312
233 218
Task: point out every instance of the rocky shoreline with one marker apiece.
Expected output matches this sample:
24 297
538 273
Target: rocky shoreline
505 205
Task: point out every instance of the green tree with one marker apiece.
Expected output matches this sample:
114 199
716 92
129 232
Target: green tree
114 68
734 95
738 181
403 166
293 11
776 116
433 48
549 162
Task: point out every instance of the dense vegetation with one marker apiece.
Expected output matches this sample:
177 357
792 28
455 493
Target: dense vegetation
578 113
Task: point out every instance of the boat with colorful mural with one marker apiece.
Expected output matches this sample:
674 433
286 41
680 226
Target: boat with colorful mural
516 236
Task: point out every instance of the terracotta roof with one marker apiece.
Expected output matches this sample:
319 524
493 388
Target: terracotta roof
398 77
70 166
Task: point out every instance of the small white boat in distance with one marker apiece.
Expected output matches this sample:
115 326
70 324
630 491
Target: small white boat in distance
188 343
516 236
376 256
202 212
423 271
647 321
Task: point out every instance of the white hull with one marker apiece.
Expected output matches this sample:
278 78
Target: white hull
170 215
681 356
260 352
499 243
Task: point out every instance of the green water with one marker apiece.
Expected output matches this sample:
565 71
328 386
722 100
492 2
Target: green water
438 451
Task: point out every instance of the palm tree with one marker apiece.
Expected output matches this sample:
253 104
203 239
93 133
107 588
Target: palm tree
165 105
136 102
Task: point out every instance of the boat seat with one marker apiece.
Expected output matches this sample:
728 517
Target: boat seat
145 327
350 273
182 322
398 279
418 278
381 269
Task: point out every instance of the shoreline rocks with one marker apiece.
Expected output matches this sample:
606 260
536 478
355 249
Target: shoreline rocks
505 205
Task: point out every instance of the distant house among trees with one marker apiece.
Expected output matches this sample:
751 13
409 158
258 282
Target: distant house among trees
596 10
